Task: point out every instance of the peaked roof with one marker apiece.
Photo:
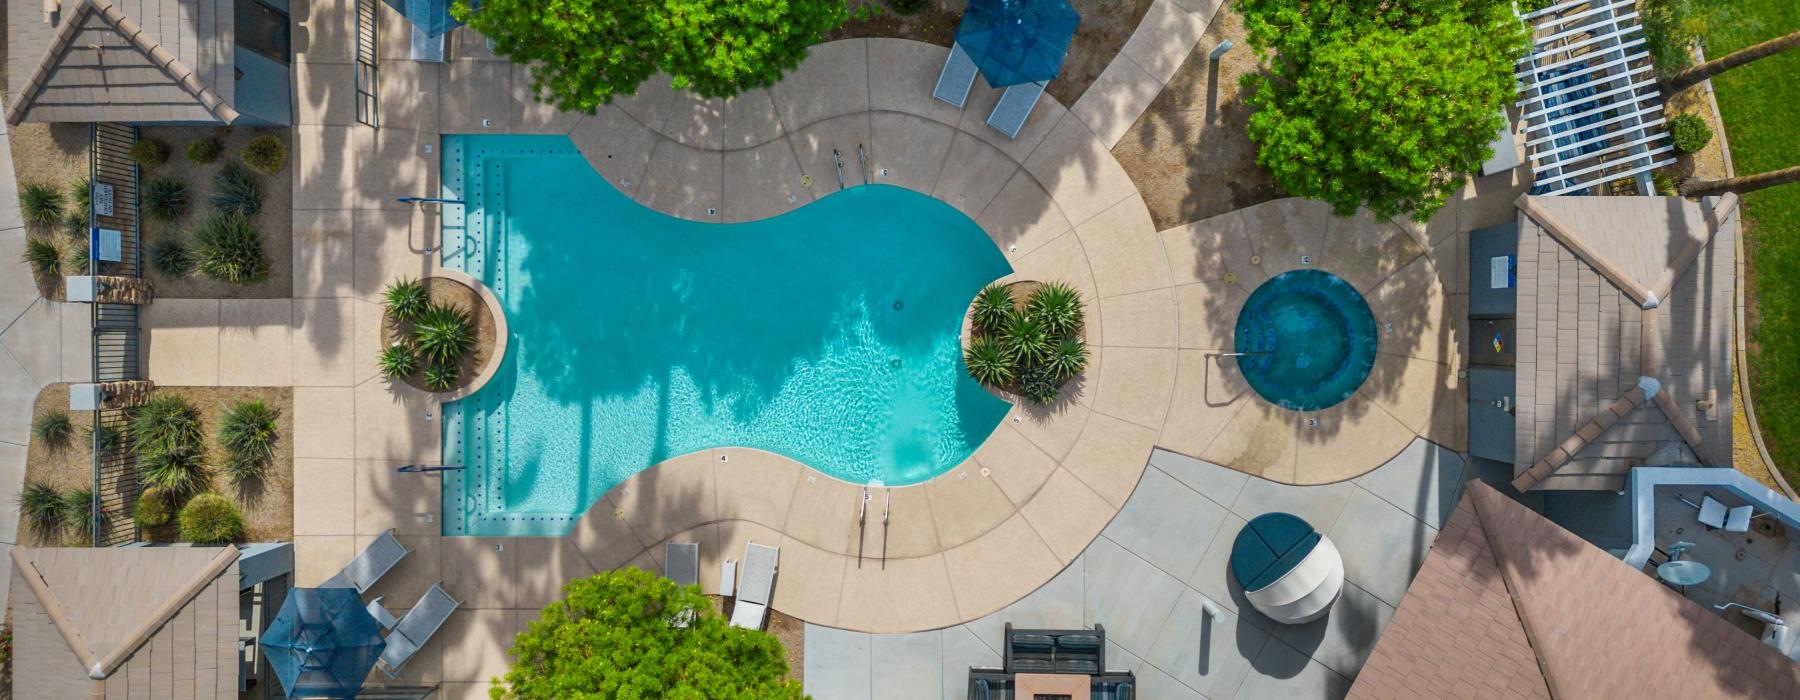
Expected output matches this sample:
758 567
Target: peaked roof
1506 593
130 61
1624 337
155 622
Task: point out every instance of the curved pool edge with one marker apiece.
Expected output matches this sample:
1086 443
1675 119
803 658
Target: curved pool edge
497 356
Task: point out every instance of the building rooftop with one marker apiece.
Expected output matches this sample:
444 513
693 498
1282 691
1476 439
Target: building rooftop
1624 337
129 61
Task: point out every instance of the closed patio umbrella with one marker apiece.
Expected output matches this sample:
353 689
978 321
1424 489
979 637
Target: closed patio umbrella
322 643
1018 41
430 16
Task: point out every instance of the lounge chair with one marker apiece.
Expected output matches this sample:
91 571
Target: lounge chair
958 76
681 562
381 614
752 606
1015 107
415 629
369 565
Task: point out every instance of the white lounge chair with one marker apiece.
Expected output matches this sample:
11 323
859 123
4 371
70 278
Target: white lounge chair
415 629
752 607
957 77
1015 107
370 564
681 562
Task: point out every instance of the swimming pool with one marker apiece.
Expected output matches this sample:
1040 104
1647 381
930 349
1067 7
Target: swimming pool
1309 340
828 334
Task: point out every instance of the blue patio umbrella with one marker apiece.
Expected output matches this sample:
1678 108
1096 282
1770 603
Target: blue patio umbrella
430 16
322 643
1017 41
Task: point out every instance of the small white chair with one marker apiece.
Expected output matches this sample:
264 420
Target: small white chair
1712 513
1738 520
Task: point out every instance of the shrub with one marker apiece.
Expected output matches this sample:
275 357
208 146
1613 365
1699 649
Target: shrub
1068 359
1027 339
1057 306
1670 28
99 437
440 376
77 511
1038 384
227 248
247 432
53 428
405 299
171 258
443 333
266 154
989 361
41 203
210 518
165 198
205 150
993 304
398 361
149 153
236 190
907 7
41 505
81 192
180 472
166 434
153 508
44 257
75 257
75 223
1690 132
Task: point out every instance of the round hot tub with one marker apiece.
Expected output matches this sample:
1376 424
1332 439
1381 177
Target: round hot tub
1307 340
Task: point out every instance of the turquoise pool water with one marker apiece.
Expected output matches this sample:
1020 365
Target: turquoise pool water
1312 340
828 334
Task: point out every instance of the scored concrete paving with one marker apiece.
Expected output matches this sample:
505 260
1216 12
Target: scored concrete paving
1151 570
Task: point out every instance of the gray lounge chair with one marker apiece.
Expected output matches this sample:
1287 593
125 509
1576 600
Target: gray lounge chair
754 590
958 76
681 562
369 565
1015 107
415 629
381 614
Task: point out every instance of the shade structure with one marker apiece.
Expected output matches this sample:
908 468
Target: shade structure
430 16
1018 41
322 643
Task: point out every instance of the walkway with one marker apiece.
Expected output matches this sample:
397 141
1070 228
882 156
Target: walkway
1148 573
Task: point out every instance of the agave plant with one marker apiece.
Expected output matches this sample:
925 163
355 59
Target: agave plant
41 203
993 304
75 257
236 190
989 361
53 428
227 248
171 258
41 504
247 432
398 361
1027 339
443 333
44 256
1068 359
405 299
1038 384
440 376
165 198
77 511
1058 306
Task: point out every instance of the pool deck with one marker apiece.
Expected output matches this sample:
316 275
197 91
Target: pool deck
962 546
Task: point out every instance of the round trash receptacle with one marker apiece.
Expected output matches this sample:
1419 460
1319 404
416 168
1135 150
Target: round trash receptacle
1289 571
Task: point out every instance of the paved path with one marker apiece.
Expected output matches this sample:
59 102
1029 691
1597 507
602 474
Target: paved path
41 342
1147 574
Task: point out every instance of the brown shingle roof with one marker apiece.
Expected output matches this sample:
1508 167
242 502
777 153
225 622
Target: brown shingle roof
1596 627
133 60
153 622
1614 291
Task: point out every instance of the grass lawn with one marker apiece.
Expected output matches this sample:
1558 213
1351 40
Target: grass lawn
1760 103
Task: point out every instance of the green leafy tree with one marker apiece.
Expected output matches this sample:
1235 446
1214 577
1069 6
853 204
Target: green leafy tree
1387 105
583 53
620 635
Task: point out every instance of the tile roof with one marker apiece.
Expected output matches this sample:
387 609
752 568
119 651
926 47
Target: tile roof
1624 333
131 61
1596 628
152 622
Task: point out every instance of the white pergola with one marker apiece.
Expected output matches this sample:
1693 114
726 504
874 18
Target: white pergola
1589 103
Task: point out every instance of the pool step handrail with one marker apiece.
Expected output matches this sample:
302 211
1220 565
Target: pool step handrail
837 162
862 525
862 163
887 502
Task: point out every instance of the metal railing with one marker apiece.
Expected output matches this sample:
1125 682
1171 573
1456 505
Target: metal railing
113 204
368 100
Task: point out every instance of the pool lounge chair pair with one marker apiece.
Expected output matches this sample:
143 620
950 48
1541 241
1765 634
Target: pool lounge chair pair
409 633
1015 104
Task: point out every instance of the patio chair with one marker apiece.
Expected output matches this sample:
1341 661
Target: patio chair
752 606
1714 514
370 564
381 614
415 629
681 562
1015 107
957 77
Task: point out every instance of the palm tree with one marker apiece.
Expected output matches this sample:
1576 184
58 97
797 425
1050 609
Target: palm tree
1694 75
1742 184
